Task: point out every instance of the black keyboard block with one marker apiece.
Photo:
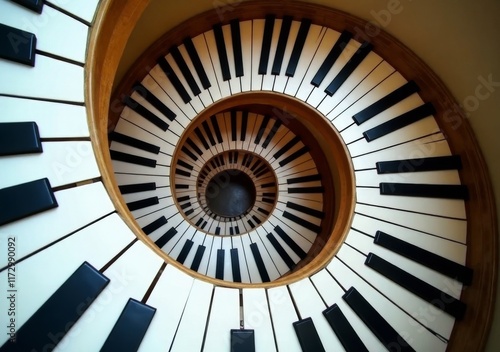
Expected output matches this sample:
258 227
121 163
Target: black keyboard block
19 138
308 336
130 328
343 329
34 5
20 201
242 340
17 45
424 190
48 325
439 163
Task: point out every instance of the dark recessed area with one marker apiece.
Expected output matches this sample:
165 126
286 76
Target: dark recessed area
230 193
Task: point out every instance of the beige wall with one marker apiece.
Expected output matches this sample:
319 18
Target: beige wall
458 39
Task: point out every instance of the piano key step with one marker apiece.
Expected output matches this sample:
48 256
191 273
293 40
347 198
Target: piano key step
19 138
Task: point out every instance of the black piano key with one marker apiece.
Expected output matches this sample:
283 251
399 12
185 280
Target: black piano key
202 138
281 251
181 186
290 242
153 100
233 126
330 59
242 340
261 171
194 146
188 212
137 187
422 289
185 206
287 147
399 122
343 329
215 125
298 47
268 185
237 51
169 72
375 322
186 72
433 261
19 138
349 68
235 265
23 200
155 225
48 325
244 124
198 66
386 102
306 190
308 336
221 49
255 165
132 159
134 142
303 179
167 236
219 265
439 163
263 211
424 190
130 328
304 223
266 44
17 45
195 265
306 210
208 132
148 115
34 5
260 263
143 203
184 164
189 153
262 129
185 251
272 133
280 49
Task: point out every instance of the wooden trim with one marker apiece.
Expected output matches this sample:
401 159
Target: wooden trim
117 18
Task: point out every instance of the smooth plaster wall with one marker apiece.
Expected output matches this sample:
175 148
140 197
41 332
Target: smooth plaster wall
458 39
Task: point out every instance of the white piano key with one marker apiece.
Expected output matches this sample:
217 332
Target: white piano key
328 41
268 78
313 40
441 323
125 167
365 245
70 43
93 203
190 332
246 31
43 273
332 294
258 318
228 265
417 229
212 265
131 275
281 79
54 120
310 305
257 40
410 330
82 9
224 87
126 179
49 79
161 159
371 178
332 106
453 208
160 193
169 297
431 146
283 316
224 316
61 162
238 244
253 271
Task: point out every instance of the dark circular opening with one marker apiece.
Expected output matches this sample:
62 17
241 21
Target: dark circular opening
230 193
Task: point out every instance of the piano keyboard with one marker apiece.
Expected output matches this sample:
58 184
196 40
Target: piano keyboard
395 282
